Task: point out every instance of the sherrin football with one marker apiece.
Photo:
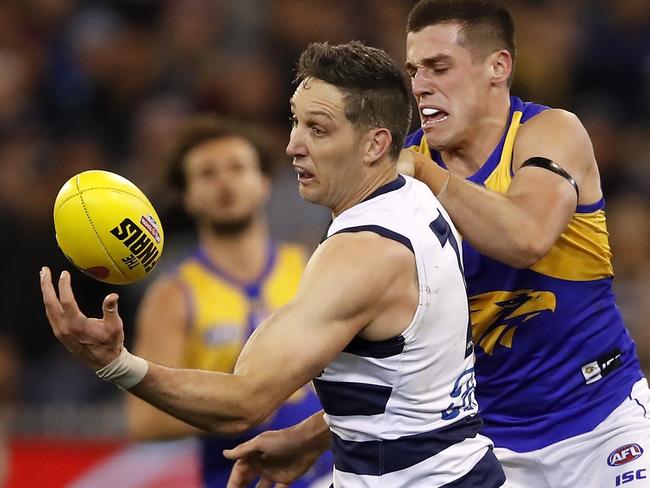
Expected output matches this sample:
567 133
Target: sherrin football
107 227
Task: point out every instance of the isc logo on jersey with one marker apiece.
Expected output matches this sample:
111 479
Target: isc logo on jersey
624 454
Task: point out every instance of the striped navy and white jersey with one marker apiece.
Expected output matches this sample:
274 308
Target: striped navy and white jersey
402 412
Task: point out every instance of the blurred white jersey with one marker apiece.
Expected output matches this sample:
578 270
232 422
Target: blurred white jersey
402 411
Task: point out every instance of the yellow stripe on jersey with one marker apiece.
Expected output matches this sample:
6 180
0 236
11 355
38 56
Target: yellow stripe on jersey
422 148
499 180
281 286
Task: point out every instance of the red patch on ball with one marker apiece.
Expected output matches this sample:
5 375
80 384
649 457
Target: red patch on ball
99 272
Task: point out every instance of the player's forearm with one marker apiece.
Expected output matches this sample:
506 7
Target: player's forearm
491 222
216 402
147 423
315 433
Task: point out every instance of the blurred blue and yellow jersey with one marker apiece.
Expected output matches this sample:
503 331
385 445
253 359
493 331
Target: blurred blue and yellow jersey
223 313
553 356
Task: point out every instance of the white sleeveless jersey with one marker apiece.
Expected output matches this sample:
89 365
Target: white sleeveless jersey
402 412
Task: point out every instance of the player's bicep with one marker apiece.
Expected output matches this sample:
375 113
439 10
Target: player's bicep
547 190
558 136
546 203
340 295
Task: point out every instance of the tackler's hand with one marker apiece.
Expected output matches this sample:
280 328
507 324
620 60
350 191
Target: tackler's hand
95 342
406 162
278 457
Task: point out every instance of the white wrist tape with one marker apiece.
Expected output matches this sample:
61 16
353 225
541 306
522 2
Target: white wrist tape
125 371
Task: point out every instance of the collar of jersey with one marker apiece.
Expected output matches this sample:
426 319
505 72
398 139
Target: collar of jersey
252 288
396 184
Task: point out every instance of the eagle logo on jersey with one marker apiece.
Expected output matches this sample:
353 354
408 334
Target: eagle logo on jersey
497 315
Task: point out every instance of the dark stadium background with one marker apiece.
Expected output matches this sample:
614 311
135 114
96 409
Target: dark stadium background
105 84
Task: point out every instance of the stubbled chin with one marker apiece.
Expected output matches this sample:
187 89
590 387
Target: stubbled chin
308 194
435 141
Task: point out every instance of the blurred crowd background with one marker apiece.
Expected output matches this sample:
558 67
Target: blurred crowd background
106 84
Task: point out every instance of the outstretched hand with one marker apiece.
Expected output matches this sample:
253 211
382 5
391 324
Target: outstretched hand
274 456
95 342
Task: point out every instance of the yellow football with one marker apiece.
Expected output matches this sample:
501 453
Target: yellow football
107 227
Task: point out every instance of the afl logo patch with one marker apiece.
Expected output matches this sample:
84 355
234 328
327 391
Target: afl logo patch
151 225
624 454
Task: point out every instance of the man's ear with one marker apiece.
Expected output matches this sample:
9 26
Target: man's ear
377 143
501 66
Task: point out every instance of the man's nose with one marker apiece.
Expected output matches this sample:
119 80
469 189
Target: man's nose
296 146
421 84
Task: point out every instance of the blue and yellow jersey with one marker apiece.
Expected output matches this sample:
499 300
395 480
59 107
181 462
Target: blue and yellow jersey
553 356
223 313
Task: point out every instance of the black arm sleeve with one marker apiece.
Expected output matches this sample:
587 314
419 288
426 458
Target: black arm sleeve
553 167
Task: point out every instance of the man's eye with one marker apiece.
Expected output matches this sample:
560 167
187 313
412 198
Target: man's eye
317 131
293 120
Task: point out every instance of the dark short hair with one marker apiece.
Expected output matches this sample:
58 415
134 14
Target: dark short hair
204 128
486 25
375 90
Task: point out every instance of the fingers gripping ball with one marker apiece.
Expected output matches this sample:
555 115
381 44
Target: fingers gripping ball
107 227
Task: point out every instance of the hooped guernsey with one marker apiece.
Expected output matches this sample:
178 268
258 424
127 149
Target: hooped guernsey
553 357
402 411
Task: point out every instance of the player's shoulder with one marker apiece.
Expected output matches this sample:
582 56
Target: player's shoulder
165 291
357 264
164 304
552 121
370 246
555 134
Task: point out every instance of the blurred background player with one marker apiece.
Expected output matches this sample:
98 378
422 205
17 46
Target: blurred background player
200 315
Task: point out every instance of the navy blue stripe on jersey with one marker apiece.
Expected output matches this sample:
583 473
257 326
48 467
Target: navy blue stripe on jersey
379 457
487 473
382 231
376 349
348 398
396 184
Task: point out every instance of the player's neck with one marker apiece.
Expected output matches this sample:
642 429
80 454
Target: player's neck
368 183
242 255
480 140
